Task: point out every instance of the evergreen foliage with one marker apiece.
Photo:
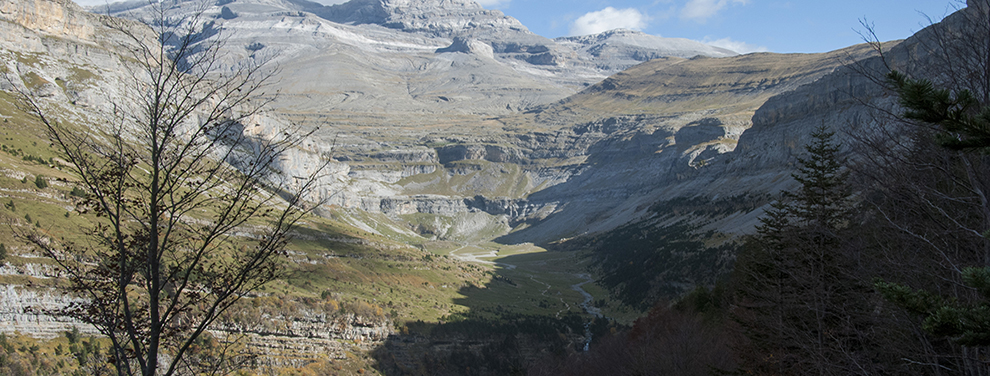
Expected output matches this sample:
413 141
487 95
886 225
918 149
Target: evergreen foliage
799 304
963 123
823 199
967 324
40 182
78 192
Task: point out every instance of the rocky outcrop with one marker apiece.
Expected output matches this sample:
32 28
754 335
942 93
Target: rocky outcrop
390 60
60 18
469 46
491 153
22 310
429 204
407 156
443 18
24 20
699 132
284 341
621 49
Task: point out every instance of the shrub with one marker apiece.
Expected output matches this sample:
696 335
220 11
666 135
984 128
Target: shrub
79 192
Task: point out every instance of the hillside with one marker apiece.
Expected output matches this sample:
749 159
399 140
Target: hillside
490 188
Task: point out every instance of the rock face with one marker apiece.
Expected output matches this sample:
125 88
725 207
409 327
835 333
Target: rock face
621 48
441 107
21 310
443 18
392 76
57 18
469 46
766 115
426 102
412 57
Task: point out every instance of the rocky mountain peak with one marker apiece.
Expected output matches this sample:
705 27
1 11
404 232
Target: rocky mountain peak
400 5
638 46
444 18
605 35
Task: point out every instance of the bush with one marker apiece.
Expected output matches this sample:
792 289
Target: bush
78 192
40 182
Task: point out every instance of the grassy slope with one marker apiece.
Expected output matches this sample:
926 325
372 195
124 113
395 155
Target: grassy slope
413 283
732 88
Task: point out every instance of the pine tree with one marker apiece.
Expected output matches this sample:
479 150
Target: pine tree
798 302
823 199
961 123
40 182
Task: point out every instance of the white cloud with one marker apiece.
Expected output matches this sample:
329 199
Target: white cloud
734 45
703 9
493 3
608 19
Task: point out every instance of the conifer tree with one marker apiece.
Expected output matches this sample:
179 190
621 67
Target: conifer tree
961 123
798 302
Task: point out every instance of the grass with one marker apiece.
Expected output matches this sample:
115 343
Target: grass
469 178
351 256
28 58
526 280
81 75
58 355
329 254
33 80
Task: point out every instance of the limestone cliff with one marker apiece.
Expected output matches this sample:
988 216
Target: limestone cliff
57 18
385 61
472 118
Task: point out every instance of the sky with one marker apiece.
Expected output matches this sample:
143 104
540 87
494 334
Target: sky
783 26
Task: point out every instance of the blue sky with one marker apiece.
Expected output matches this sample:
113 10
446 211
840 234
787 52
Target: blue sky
741 25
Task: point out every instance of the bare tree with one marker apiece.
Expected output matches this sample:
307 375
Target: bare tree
175 181
925 182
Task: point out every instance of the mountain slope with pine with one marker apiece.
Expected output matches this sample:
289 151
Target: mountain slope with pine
457 140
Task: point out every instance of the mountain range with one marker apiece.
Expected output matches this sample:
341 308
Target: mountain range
443 107
455 125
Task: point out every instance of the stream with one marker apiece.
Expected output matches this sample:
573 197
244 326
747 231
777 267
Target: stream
588 307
